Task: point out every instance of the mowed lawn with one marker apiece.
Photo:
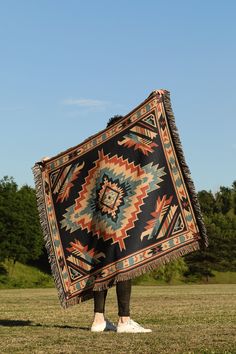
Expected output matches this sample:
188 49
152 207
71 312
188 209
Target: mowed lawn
184 319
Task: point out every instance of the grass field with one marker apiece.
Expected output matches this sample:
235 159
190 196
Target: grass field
184 319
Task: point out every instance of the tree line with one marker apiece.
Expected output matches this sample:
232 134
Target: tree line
219 212
21 236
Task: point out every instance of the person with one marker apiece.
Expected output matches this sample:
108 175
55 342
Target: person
123 293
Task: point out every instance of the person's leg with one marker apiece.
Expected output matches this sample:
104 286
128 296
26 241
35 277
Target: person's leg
100 324
99 305
123 291
126 324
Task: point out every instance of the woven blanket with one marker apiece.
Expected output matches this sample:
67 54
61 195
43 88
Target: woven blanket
119 204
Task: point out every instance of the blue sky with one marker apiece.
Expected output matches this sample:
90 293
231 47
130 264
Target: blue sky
67 66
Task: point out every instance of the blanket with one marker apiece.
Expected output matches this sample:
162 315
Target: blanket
119 204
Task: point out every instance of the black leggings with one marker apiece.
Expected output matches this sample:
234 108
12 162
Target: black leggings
123 292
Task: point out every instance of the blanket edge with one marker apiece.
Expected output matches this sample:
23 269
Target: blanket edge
185 169
37 172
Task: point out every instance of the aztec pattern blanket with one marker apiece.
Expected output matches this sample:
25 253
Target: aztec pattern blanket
119 204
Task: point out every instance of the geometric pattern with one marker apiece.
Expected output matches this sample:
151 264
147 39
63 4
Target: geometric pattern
141 136
118 204
150 119
162 209
111 198
82 258
64 182
144 145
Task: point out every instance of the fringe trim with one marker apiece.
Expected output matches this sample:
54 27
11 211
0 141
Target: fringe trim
149 267
185 169
78 299
37 172
134 273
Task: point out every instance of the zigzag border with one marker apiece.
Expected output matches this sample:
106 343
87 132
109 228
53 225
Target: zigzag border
167 108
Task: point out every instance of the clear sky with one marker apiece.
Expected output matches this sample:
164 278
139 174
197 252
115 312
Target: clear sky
67 66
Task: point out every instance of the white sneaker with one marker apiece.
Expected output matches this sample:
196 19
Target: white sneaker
104 326
131 327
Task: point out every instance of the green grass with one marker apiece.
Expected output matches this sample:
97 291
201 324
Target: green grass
23 276
223 278
185 319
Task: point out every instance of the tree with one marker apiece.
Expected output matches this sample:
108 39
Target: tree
234 196
170 271
207 202
8 228
29 230
20 233
220 220
223 200
222 233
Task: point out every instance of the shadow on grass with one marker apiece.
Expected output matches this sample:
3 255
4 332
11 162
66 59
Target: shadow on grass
20 323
